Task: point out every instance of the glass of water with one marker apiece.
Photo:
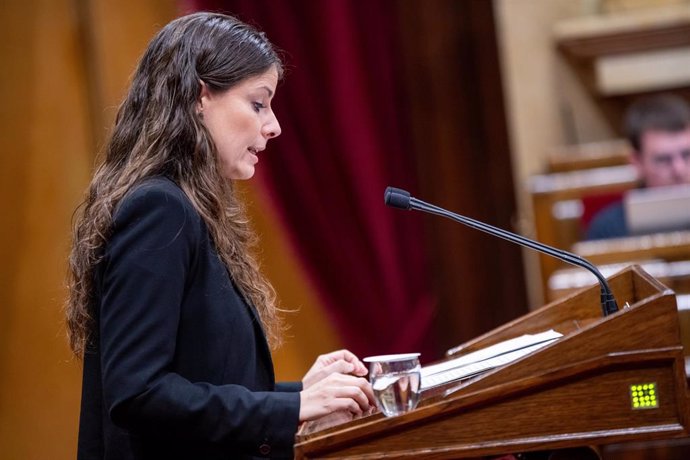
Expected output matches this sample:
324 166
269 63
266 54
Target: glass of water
396 380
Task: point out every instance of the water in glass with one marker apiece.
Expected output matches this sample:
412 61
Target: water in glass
397 393
395 380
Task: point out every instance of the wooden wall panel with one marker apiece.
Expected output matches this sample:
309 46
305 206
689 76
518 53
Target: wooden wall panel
44 162
47 151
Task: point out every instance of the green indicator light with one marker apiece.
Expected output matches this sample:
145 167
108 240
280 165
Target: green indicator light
643 396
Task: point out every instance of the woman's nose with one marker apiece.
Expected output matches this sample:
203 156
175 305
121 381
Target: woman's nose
272 128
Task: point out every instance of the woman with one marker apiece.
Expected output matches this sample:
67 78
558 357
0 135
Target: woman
167 306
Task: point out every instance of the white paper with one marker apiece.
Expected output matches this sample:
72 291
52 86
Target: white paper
485 359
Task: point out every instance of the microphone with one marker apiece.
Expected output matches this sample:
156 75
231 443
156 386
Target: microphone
401 199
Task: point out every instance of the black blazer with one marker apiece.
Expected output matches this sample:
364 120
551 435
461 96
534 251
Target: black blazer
178 365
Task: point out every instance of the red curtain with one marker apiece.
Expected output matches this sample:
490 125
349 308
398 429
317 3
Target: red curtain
344 140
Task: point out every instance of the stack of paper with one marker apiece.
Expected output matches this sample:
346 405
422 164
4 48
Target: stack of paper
487 358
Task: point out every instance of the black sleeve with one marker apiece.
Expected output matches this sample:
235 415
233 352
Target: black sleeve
289 386
155 236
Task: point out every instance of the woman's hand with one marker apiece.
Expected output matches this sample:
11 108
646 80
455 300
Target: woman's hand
340 362
336 393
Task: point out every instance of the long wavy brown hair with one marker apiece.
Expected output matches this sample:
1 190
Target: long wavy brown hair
158 132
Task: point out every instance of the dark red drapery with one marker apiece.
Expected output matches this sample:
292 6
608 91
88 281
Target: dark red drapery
344 140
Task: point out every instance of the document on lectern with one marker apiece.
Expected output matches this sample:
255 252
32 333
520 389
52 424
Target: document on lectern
485 359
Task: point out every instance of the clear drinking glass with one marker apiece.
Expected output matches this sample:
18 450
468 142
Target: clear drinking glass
396 380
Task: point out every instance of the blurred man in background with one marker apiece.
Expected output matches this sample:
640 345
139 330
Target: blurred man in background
658 128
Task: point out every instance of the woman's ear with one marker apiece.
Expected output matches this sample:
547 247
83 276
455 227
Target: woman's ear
204 96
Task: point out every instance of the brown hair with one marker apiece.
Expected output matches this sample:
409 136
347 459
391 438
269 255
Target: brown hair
158 132
665 112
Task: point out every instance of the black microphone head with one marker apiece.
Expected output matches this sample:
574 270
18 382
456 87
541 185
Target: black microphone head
397 198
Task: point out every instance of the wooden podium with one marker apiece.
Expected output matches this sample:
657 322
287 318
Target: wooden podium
576 391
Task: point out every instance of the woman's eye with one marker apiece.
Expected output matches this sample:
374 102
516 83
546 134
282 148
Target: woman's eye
258 106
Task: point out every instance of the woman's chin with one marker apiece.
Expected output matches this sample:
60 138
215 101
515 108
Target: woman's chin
244 173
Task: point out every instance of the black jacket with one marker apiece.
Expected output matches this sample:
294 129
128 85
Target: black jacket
610 222
178 366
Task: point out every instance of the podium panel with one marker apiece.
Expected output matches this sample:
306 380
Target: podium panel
607 380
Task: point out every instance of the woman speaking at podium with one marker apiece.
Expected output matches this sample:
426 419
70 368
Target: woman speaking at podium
167 305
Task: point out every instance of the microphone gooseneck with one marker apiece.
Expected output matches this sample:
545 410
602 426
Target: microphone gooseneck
401 199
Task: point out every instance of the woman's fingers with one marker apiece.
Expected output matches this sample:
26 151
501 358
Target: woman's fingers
340 361
367 390
355 389
346 355
335 393
339 367
317 374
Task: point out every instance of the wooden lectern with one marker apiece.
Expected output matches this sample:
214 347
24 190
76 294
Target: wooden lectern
576 391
